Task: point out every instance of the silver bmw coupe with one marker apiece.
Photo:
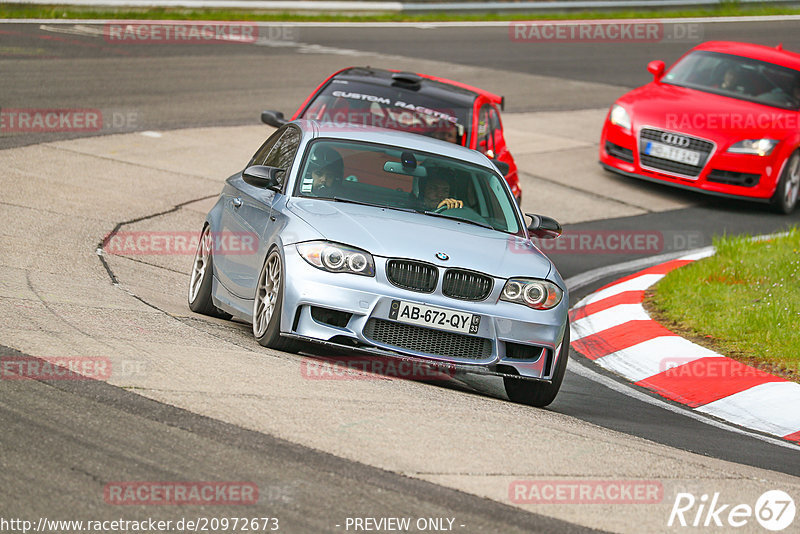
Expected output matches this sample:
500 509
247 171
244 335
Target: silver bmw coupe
391 244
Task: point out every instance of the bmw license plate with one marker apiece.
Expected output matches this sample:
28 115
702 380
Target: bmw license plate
421 315
681 155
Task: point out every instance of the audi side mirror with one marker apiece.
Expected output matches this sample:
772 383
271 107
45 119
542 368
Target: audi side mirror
656 68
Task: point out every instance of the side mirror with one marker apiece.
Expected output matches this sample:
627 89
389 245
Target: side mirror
502 166
263 177
543 227
656 68
273 118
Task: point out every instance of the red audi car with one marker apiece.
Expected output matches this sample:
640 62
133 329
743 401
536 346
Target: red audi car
724 120
436 107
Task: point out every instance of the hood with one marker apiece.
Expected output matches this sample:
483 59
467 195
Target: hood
719 118
398 234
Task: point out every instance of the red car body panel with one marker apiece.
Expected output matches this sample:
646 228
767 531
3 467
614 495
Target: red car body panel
721 120
482 98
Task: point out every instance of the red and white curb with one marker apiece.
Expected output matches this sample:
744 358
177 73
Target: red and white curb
612 328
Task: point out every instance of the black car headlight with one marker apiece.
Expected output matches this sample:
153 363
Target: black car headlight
337 258
532 292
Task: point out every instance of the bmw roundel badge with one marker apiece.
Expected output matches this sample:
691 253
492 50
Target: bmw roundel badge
442 256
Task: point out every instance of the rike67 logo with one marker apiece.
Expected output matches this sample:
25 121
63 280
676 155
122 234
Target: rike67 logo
774 510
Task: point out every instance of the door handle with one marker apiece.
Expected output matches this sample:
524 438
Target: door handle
237 202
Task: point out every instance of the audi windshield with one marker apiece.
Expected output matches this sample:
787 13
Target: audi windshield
738 77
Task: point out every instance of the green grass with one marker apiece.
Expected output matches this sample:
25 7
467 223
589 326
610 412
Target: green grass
743 302
72 12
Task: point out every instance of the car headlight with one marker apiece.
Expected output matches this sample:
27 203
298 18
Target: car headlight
336 258
532 292
759 147
620 117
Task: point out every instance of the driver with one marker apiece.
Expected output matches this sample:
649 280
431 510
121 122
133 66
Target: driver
435 193
326 170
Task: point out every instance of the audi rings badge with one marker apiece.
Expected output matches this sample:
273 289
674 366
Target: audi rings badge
675 139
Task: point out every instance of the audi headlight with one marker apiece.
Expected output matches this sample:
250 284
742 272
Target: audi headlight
620 117
759 147
336 258
532 292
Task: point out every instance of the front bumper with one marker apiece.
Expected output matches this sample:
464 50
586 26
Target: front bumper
743 176
342 310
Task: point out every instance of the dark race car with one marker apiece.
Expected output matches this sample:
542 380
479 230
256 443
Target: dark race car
417 103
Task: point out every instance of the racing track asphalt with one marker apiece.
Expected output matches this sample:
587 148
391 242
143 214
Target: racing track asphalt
192 87
85 431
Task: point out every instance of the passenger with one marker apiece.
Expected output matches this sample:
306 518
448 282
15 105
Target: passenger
796 92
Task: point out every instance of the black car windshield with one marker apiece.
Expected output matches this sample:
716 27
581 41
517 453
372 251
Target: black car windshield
738 77
389 107
396 178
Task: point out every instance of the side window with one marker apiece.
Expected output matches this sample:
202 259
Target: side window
282 152
496 128
262 153
485 130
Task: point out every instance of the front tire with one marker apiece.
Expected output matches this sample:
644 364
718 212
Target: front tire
785 198
267 305
540 394
200 282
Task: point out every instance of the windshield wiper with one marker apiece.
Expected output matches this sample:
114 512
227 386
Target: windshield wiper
360 203
460 219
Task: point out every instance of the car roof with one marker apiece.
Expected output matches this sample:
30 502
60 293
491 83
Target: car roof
433 87
778 56
395 138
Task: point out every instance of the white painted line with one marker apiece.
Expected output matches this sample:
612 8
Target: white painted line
773 408
705 253
587 372
605 319
421 25
640 283
653 356
150 133
278 5
589 277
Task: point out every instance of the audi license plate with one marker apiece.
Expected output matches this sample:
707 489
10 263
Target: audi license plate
421 315
681 155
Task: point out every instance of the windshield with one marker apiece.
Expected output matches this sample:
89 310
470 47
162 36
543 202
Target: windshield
394 178
389 107
738 77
